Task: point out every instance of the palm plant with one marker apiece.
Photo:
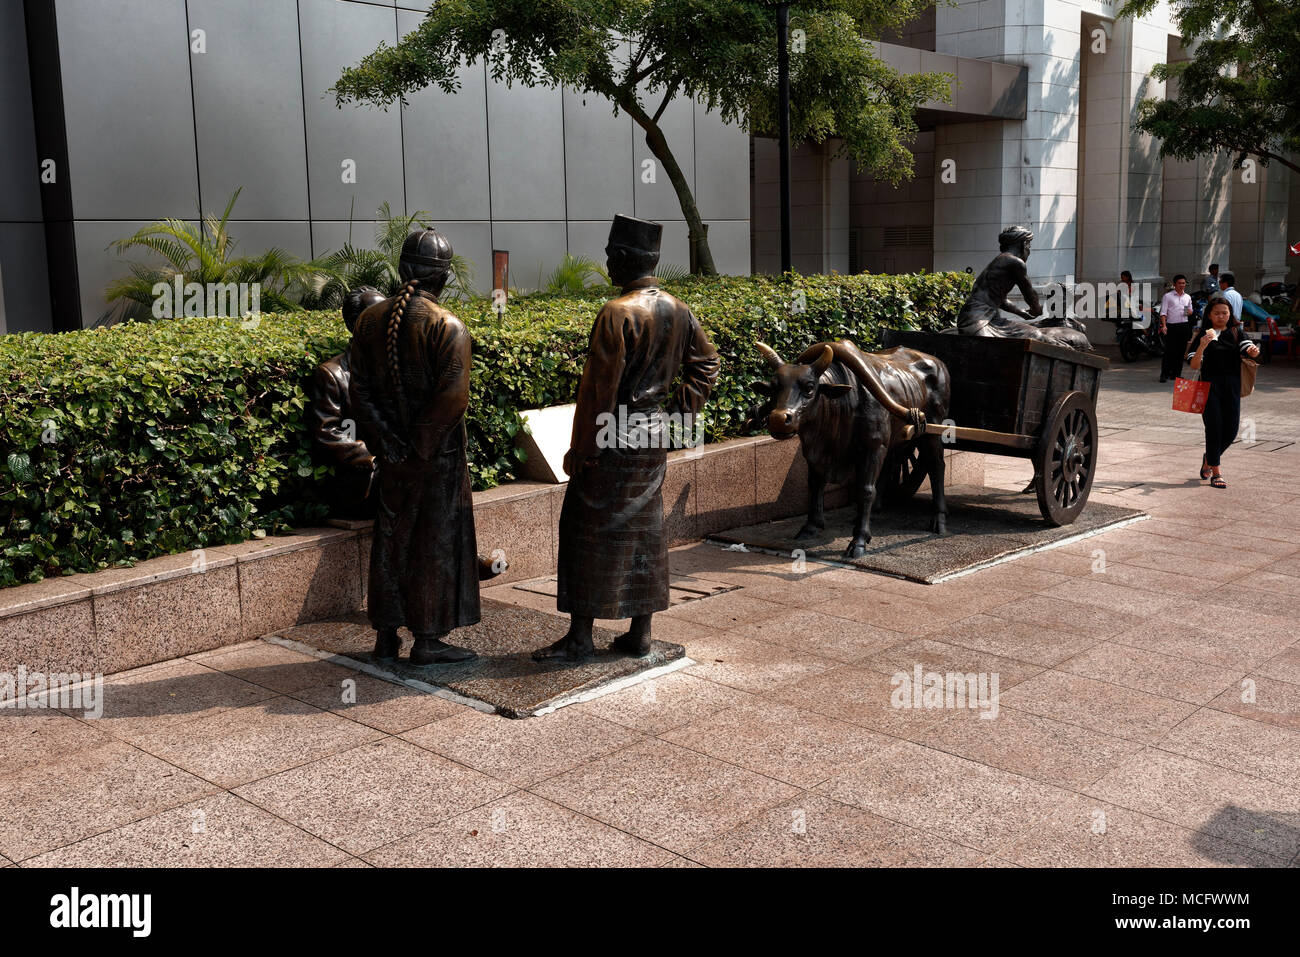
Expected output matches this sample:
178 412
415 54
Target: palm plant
353 266
204 253
571 276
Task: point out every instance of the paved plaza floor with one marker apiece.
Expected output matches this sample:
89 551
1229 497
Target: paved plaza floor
1148 712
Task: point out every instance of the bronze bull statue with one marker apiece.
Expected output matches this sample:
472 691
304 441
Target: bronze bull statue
849 408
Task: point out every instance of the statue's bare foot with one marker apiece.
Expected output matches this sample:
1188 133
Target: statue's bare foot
632 643
571 648
1031 488
435 651
387 644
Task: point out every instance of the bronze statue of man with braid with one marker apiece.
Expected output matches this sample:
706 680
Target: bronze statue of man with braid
410 362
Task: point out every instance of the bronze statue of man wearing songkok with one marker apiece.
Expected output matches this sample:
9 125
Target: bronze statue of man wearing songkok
410 362
613 560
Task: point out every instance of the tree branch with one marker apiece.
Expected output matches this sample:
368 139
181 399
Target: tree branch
672 91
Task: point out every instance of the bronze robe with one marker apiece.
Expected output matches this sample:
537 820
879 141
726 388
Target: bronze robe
335 443
613 561
424 559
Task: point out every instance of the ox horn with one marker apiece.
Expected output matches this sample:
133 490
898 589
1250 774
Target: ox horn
823 361
768 353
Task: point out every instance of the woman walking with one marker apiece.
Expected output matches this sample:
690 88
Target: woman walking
1217 349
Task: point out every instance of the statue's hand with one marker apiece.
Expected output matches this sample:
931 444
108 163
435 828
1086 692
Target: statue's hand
395 451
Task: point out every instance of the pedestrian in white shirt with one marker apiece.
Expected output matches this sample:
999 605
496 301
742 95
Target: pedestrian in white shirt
1175 325
1228 286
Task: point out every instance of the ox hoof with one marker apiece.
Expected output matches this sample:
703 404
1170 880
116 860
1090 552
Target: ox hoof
809 531
856 549
939 526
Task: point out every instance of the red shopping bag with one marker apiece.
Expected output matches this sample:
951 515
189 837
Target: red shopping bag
1190 395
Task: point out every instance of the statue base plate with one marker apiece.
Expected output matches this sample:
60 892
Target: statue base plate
985 527
504 678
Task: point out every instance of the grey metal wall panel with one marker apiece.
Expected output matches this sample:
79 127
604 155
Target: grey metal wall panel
97 266
248 108
329 236
473 240
255 237
25 294
129 115
336 35
729 243
675 249
588 238
526 152
535 248
445 144
658 200
721 167
598 164
20 199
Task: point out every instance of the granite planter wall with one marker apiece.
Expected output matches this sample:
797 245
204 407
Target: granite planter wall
177 605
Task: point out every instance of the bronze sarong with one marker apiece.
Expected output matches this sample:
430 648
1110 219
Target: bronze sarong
613 560
424 558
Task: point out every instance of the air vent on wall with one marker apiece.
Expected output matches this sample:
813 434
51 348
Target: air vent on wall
912 235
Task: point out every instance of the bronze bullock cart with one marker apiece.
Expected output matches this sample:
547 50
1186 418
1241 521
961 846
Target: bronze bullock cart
1013 397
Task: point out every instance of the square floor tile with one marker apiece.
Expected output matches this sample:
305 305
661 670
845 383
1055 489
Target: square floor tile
74 796
1226 804
216 831
963 801
1053 752
520 830
1157 674
780 741
235 747
669 795
373 794
526 750
664 703
1084 832
1110 709
812 831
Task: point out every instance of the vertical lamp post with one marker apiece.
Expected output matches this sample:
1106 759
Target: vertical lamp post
783 110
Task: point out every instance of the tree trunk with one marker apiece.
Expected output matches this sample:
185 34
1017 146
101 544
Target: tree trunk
701 258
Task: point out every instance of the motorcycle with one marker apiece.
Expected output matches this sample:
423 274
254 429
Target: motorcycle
1136 339
1277 296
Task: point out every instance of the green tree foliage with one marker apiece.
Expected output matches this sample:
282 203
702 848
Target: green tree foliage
1240 91
722 53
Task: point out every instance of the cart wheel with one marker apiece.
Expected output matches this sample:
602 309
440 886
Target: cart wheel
902 473
1066 459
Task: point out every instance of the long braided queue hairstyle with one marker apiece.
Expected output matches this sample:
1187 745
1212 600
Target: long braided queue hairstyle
425 261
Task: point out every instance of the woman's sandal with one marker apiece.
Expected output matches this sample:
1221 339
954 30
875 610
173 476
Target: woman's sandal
1205 468
1218 482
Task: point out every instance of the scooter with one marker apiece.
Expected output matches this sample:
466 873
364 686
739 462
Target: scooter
1135 341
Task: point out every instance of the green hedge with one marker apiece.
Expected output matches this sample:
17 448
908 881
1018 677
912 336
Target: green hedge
139 440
